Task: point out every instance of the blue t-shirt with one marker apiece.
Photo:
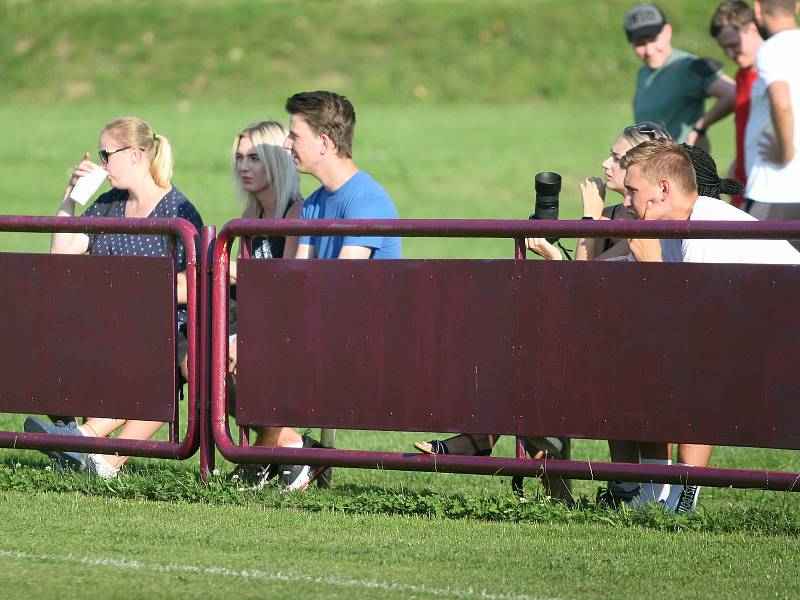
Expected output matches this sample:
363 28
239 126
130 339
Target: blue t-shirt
361 197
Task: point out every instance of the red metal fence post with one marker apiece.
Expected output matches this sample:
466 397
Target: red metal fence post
207 447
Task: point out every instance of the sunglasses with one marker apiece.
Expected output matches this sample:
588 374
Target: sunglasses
648 129
104 154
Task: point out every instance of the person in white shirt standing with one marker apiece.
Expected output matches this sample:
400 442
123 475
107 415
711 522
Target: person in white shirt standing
661 185
773 131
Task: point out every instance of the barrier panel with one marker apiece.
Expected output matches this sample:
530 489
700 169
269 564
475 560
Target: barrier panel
95 336
512 347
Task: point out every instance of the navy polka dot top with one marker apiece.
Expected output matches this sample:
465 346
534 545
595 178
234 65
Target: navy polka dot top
112 204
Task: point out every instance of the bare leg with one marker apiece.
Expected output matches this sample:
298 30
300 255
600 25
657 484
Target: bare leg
102 427
696 455
133 430
277 437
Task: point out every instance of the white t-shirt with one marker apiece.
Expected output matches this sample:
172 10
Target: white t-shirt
774 252
776 60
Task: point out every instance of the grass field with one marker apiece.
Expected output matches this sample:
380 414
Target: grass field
459 104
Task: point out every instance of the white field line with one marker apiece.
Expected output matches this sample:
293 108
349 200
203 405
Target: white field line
279 576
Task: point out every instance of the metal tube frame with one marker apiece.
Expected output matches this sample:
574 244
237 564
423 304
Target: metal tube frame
517 230
174 448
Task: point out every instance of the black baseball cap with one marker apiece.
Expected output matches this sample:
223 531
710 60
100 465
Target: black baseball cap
644 20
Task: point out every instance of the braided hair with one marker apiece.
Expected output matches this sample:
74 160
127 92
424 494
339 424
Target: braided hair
705 170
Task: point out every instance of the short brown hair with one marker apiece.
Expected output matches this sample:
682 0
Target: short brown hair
328 113
731 13
662 159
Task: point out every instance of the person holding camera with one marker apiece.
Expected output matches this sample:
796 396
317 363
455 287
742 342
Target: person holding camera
593 192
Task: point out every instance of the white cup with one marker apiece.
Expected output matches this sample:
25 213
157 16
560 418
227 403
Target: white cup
87 185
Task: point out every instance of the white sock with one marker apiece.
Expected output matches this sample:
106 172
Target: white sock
102 467
295 445
82 431
655 492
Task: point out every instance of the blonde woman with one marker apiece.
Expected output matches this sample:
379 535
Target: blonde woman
139 165
269 187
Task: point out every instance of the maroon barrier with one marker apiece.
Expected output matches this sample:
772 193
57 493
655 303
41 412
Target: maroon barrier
506 346
77 350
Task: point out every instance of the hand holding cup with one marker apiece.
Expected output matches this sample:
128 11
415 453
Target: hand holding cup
86 178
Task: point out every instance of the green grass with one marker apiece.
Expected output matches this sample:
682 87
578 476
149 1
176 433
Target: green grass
374 51
79 546
459 104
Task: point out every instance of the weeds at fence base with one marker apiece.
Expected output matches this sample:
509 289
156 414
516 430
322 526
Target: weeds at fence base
165 484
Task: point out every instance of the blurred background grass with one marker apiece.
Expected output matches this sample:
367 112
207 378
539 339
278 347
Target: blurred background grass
459 103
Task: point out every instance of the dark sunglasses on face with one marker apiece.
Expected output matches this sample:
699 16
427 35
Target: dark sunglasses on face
104 154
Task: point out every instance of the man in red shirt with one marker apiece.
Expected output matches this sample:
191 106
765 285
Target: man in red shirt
733 25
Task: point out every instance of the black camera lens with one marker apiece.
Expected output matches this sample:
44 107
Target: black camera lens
547 185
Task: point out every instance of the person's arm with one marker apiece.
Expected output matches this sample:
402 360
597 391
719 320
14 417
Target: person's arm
69 242
593 193
646 249
305 251
292 241
780 105
181 290
357 252
543 248
724 89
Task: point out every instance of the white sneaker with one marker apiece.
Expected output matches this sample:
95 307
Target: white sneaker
97 465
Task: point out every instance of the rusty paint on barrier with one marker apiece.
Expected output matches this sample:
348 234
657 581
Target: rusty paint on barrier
523 348
95 335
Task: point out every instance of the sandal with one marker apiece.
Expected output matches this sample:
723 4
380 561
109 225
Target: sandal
440 446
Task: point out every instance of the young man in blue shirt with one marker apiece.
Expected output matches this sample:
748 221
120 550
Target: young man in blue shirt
320 142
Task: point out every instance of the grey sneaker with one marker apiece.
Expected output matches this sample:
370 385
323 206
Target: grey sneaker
34 425
74 459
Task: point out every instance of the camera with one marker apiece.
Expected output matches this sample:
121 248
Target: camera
547 185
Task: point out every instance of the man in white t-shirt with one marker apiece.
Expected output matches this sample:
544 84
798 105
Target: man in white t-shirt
773 130
660 185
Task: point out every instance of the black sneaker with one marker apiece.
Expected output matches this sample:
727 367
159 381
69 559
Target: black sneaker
294 478
615 498
252 476
687 501
321 475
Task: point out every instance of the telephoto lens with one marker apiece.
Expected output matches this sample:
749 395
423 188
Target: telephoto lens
547 185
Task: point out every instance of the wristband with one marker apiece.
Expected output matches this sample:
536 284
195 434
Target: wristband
700 130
